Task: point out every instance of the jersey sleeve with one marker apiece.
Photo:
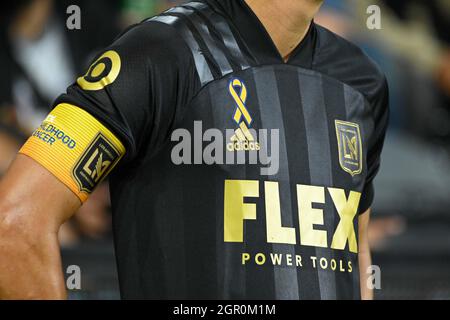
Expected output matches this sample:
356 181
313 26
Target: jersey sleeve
380 107
128 98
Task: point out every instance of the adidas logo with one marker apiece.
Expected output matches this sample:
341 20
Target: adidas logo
243 140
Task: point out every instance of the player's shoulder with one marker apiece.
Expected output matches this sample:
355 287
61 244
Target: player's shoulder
344 61
149 39
168 31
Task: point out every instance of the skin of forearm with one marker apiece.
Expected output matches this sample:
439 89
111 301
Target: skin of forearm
365 261
33 205
364 255
30 266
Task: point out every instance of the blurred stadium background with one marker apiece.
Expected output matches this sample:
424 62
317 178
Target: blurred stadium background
410 231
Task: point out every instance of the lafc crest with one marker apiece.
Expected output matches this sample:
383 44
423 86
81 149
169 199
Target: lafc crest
95 163
350 146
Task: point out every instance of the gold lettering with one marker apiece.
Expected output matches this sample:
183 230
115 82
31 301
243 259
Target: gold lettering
308 216
235 210
289 259
347 209
313 259
323 263
91 159
260 259
298 260
276 258
276 233
245 258
333 264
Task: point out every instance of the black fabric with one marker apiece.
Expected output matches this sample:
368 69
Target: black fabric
347 63
142 110
169 222
99 27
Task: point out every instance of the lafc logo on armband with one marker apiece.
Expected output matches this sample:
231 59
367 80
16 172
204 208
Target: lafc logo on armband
96 162
350 147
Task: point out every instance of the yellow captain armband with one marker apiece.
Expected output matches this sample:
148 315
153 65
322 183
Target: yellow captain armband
76 148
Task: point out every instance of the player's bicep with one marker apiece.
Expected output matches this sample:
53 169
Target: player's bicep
75 148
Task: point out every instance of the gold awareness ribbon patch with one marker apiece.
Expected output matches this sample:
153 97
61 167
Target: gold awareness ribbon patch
240 100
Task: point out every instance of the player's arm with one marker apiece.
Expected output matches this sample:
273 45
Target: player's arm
364 256
380 106
55 172
33 205
127 98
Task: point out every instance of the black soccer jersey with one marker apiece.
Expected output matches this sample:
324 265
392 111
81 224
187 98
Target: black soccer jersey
243 175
